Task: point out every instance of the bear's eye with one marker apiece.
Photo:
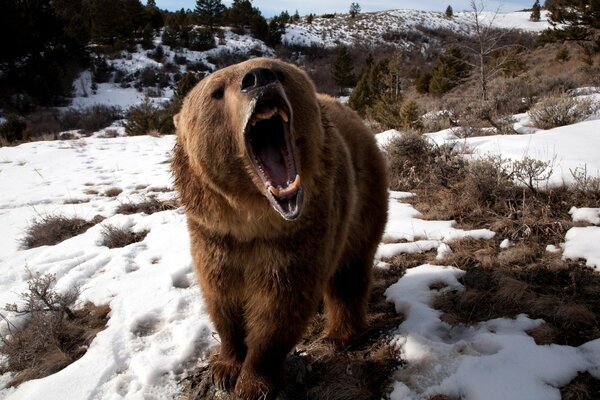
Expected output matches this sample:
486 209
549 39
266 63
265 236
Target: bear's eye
218 93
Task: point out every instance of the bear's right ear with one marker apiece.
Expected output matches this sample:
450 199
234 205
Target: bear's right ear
176 120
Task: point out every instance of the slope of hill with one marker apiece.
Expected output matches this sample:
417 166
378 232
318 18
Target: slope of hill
398 27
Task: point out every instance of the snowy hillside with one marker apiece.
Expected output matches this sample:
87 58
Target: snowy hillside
395 27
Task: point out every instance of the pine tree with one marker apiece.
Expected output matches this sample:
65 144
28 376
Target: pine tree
296 16
449 71
574 20
362 95
535 11
342 69
449 12
151 3
354 10
410 116
310 18
209 12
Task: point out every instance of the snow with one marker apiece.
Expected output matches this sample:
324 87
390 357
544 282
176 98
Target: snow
495 359
371 27
586 214
157 326
582 243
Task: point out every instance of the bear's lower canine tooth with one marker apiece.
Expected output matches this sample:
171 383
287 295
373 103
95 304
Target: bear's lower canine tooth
283 115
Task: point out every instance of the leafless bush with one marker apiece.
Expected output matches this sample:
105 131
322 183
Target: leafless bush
531 172
90 119
52 229
437 121
585 182
114 236
54 334
552 112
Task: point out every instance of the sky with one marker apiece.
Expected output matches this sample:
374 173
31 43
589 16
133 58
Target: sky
305 7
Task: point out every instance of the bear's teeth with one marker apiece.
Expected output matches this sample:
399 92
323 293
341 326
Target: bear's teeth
283 115
264 115
292 187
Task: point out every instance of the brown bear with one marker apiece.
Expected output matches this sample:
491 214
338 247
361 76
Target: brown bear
285 194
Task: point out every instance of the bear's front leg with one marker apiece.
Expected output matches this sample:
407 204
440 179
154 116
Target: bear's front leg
228 317
276 318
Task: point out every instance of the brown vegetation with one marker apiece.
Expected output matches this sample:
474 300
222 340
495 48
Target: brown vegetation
114 236
54 334
52 229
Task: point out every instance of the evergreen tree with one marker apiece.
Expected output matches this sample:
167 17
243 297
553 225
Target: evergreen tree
241 14
296 16
535 11
342 69
354 10
310 18
574 20
410 116
147 36
449 12
209 12
151 3
449 71
422 82
362 95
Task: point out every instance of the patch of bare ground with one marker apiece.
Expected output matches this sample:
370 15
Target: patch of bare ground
52 229
54 334
512 199
317 371
150 205
583 387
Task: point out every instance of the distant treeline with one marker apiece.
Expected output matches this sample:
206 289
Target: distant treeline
45 43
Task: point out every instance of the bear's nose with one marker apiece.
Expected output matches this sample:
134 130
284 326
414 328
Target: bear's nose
256 78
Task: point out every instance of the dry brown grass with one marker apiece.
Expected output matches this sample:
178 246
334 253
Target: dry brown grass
148 206
583 387
52 229
112 192
53 335
115 236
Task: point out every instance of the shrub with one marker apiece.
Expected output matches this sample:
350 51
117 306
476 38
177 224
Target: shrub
147 117
114 236
50 230
149 206
413 162
54 334
12 129
437 120
90 119
559 111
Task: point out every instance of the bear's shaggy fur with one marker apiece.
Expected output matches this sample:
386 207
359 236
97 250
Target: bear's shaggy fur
286 199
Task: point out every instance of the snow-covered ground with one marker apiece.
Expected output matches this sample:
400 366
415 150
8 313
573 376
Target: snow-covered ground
158 327
389 26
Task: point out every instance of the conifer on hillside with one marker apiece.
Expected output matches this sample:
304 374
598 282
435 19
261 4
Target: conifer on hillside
449 12
535 11
209 12
450 70
342 69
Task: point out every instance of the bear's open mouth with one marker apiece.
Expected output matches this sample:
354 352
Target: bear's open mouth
269 143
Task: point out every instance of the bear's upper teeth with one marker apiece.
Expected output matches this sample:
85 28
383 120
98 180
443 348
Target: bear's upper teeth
268 114
290 189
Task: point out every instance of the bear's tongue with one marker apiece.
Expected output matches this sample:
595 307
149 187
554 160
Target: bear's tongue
269 149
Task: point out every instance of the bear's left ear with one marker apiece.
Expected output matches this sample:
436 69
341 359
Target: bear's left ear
176 120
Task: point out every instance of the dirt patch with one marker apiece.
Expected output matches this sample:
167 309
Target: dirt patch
316 371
